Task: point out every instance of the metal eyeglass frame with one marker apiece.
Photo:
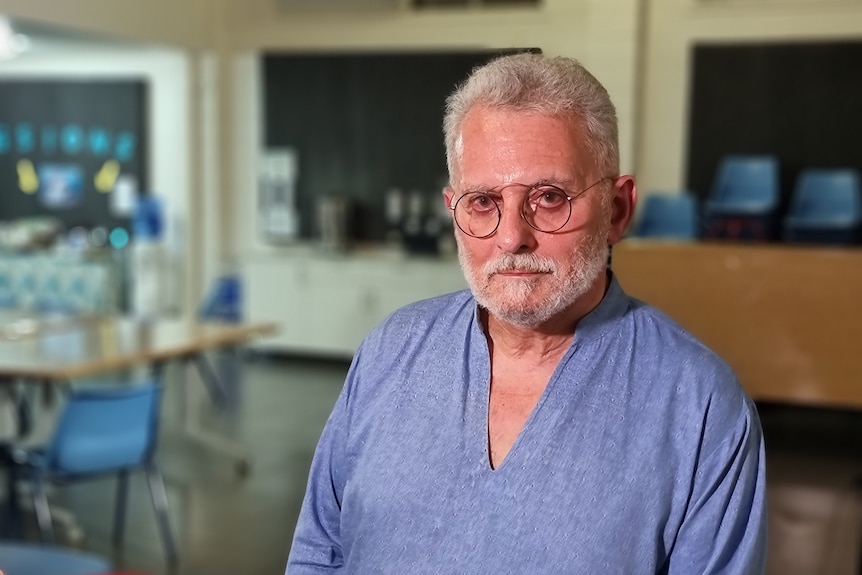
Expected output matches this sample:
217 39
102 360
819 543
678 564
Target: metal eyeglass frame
530 189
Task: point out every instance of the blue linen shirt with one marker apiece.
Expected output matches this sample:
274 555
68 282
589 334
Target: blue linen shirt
643 455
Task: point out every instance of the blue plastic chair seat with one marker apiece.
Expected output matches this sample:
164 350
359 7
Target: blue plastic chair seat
826 206
669 216
745 185
743 201
29 559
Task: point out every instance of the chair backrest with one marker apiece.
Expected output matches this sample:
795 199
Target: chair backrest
747 181
828 194
105 429
668 216
223 303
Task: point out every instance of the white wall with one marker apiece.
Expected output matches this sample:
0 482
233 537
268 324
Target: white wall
600 33
674 26
167 75
172 22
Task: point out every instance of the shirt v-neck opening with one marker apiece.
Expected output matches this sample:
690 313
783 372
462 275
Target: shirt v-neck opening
591 327
530 422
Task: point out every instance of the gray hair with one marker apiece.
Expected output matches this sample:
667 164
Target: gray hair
536 83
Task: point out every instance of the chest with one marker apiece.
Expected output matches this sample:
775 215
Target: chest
557 506
596 483
513 397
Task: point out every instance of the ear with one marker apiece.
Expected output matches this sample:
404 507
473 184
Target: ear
623 200
448 193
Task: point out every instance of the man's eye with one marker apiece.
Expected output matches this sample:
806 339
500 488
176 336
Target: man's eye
482 203
549 199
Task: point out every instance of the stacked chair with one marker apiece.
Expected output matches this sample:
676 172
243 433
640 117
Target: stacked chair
826 207
669 217
743 201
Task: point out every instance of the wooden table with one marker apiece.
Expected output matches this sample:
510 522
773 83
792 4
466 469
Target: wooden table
787 319
58 350
80 347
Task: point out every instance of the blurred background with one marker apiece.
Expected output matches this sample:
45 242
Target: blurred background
249 161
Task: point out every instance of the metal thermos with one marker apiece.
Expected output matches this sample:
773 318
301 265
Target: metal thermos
333 222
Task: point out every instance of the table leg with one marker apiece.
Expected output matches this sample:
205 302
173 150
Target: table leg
10 518
236 450
12 526
210 380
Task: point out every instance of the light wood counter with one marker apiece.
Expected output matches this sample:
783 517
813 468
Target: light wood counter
787 319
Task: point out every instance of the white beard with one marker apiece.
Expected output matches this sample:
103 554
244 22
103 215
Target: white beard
508 298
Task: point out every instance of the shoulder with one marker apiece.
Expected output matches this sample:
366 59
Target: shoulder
630 332
406 343
686 389
678 368
421 323
670 345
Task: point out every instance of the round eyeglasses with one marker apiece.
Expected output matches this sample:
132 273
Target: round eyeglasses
546 208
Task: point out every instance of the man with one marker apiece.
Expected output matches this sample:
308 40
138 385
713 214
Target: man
542 422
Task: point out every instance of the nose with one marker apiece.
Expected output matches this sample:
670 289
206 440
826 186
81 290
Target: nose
514 235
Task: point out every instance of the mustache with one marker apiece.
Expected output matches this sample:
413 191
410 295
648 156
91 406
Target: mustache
519 262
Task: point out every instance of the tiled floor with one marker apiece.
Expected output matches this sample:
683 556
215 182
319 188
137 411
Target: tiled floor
814 464
226 524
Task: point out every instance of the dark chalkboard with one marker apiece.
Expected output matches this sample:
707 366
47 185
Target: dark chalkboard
68 130
362 123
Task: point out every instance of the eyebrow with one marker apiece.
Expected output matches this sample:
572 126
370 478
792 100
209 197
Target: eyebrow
537 184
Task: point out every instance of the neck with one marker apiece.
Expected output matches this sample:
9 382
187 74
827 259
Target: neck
547 341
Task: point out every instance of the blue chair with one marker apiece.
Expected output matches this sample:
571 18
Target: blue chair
27 559
744 198
666 216
106 430
224 301
826 207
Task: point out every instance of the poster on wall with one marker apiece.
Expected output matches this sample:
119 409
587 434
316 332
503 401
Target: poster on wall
61 185
66 146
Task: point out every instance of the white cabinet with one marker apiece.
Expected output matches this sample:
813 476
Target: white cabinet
274 291
325 304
